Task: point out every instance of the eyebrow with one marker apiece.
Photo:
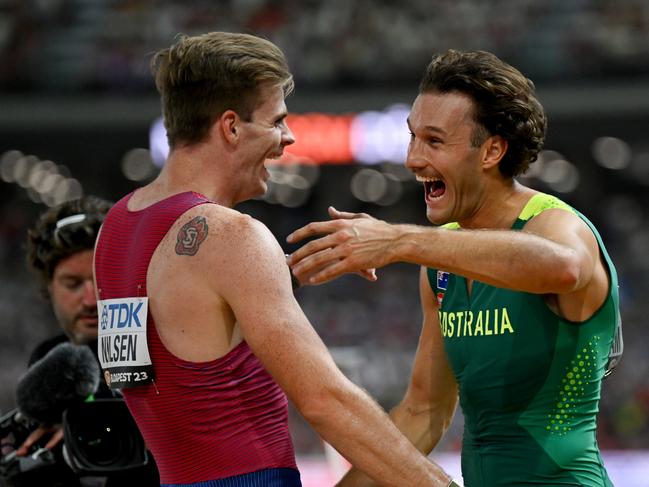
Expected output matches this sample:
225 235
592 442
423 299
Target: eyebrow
66 274
429 128
70 275
281 116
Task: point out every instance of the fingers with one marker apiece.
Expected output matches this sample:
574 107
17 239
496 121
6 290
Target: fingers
330 272
303 276
369 274
39 433
34 436
313 261
56 438
325 258
328 264
310 230
321 228
313 275
336 215
312 247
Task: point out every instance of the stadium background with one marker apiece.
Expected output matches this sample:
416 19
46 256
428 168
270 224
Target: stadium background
77 107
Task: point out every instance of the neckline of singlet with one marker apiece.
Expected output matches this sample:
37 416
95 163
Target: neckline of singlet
159 202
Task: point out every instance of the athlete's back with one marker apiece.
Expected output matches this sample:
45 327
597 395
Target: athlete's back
211 411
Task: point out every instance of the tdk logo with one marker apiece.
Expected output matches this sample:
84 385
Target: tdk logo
122 315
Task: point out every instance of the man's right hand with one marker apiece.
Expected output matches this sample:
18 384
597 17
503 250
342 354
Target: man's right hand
352 243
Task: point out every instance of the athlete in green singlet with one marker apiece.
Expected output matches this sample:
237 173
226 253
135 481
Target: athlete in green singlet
519 295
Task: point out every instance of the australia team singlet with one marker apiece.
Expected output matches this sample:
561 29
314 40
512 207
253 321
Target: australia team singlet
221 423
529 381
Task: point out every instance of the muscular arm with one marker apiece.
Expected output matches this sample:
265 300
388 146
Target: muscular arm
428 406
254 279
555 254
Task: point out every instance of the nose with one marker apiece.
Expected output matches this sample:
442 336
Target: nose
415 160
287 136
89 296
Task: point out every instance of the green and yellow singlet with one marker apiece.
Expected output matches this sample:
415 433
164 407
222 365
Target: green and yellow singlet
529 381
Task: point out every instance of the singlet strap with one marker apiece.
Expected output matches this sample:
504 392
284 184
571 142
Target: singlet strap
537 204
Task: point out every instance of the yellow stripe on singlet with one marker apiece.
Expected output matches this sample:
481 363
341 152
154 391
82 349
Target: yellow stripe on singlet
541 202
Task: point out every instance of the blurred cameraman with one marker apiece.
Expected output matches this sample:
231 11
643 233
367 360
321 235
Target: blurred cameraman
60 251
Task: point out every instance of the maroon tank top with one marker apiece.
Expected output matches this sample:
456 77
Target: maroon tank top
201 420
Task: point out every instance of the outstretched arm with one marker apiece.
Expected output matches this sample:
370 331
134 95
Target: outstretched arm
428 406
304 279
556 254
254 280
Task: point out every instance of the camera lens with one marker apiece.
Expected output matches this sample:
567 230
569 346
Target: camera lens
101 436
104 443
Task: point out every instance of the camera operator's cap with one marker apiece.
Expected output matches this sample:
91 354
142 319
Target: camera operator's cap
69 220
66 230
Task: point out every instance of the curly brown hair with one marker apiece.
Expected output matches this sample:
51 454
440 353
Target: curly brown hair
49 243
504 100
201 77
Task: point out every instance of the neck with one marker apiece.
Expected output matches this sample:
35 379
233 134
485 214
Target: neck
195 169
500 205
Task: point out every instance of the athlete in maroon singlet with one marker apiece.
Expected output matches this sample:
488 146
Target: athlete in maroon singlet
189 289
206 420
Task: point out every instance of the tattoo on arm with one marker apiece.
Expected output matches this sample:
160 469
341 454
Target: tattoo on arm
191 235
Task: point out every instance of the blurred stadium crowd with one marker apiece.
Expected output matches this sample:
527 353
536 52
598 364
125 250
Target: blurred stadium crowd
99 44
49 47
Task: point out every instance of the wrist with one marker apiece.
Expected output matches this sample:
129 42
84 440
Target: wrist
405 247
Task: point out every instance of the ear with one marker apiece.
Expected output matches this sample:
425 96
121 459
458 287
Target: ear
229 126
494 149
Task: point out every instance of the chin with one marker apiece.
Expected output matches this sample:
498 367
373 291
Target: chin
436 218
86 333
84 338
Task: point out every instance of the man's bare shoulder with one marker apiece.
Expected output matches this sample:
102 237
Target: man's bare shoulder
222 231
559 225
246 257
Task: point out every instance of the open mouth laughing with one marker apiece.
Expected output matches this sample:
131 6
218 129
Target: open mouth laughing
434 188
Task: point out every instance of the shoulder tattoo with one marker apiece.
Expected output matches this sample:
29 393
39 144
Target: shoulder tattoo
191 235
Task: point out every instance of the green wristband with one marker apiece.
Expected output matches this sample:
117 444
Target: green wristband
454 484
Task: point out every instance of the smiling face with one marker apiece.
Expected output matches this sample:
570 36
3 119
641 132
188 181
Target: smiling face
263 137
73 297
442 156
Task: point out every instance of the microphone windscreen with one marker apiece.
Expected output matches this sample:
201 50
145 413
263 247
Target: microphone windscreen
68 374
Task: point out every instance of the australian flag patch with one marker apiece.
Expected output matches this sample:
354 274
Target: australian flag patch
442 284
442 280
